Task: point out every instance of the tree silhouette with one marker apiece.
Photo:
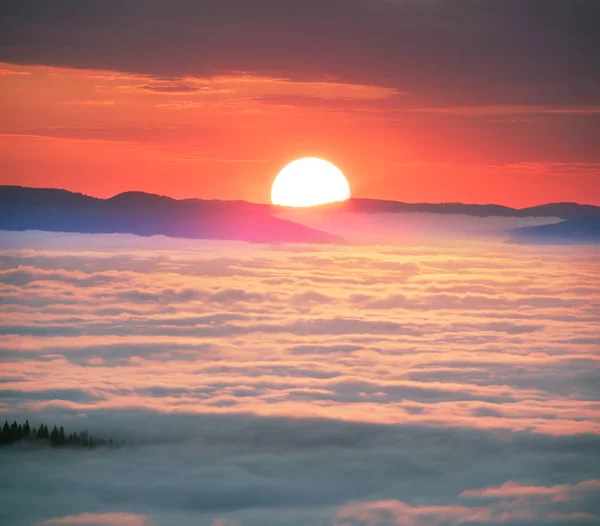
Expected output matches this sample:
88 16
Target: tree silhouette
40 433
5 438
57 437
14 432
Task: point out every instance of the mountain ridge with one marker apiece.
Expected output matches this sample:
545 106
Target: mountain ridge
146 214
562 209
575 231
23 208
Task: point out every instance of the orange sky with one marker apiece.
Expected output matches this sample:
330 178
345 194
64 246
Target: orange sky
102 133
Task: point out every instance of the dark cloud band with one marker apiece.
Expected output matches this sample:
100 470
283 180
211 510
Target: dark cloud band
466 51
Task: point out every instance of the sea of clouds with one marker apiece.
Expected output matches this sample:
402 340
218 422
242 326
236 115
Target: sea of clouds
417 385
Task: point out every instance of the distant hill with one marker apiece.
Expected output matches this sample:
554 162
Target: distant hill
377 206
145 214
583 230
563 210
148 214
581 223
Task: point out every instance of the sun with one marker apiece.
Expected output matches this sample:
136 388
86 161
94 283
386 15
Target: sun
309 182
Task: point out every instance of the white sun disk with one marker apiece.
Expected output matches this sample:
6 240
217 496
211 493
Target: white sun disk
309 182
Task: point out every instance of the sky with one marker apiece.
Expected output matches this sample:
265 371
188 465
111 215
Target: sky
413 385
428 370
482 101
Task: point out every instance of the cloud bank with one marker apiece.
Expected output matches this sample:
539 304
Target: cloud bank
421 384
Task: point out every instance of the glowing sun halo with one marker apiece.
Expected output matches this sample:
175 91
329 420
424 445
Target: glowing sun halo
309 182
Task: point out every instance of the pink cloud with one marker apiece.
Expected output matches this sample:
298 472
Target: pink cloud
225 522
100 519
512 489
398 513
388 512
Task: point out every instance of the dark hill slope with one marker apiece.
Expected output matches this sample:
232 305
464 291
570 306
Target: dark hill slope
584 230
377 206
146 215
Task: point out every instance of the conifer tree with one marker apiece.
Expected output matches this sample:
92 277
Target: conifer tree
6 433
54 436
14 431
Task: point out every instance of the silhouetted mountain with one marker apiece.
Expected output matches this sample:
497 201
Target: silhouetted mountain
585 230
563 210
377 206
147 214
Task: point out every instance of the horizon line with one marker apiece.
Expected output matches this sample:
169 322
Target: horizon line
299 208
